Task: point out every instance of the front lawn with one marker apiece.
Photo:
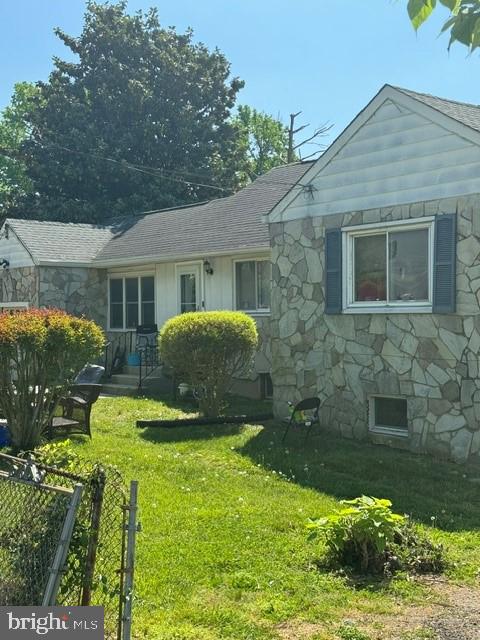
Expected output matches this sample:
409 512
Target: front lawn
223 553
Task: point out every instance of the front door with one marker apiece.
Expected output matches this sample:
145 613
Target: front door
189 288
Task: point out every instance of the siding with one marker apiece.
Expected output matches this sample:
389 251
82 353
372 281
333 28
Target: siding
397 157
12 249
217 289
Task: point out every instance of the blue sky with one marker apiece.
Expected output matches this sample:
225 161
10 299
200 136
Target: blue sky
324 57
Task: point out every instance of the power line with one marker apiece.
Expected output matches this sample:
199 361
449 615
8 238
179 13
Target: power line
153 171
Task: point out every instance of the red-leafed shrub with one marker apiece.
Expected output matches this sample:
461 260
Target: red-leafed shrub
41 351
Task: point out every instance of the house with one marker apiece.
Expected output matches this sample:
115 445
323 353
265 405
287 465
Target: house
375 303
146 268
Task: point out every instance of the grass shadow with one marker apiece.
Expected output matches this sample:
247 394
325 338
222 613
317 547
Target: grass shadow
171 409
190 433
433 492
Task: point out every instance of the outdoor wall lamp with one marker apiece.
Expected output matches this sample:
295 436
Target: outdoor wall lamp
4 263
208 267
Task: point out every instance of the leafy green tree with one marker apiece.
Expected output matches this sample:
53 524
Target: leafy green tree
463 23
141 120
263 139
14 130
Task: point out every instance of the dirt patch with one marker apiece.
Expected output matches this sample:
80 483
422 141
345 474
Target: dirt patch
460 619
452 613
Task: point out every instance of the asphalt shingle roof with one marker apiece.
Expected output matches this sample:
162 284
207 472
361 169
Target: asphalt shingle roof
49 241
225 224
468 114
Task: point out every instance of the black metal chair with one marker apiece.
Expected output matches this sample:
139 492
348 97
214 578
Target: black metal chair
299 417
147 343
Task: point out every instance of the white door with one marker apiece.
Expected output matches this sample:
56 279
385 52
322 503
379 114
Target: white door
189 288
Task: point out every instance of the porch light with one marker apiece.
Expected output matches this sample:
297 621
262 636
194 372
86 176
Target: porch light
208 267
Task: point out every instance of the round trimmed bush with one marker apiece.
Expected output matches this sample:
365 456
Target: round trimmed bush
41 351
208 349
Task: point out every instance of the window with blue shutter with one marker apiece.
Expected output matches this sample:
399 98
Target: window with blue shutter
444 274
333 271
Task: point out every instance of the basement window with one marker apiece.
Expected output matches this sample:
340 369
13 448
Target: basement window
266 386
388 415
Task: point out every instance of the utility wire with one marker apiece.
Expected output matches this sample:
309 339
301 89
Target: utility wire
153 171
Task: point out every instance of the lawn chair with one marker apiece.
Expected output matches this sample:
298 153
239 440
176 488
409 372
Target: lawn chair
77 406
146 344
299 418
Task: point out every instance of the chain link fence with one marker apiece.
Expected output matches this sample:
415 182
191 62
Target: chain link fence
31 515
30 531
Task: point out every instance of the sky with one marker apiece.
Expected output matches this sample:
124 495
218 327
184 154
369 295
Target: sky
326 58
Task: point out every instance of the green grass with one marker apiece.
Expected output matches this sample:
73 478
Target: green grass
223 553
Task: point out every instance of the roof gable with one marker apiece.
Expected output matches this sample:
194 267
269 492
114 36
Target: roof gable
391 153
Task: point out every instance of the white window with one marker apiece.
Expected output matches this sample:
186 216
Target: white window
131 301
389 266
388 415
253 285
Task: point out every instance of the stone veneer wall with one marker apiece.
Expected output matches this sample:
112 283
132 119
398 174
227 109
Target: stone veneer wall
432 360
19 285
79 290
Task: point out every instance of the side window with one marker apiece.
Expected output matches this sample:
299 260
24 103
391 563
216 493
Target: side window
253 285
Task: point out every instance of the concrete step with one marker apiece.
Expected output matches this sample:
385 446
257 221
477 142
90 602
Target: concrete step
119 389
124 378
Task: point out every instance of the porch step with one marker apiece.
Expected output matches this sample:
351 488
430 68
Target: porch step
119 389
124 379
130 371
126 383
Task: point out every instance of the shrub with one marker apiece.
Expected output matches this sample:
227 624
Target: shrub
358 535
40 353
369 537
207 350
413 551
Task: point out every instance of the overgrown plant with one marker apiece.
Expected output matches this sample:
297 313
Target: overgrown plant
367 536
208 350
358 535
41 350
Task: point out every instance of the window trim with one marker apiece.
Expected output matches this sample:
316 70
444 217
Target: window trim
14 305
184 268
348 265
253 312
399 432
123 277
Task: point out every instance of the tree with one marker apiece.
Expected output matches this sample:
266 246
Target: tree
263 138
266 142
294 146
40 353
208 350
463 23
14 130
141 120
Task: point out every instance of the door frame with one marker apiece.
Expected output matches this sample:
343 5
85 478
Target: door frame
183 268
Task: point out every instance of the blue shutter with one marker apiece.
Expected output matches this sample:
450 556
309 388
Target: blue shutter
333 271
444 271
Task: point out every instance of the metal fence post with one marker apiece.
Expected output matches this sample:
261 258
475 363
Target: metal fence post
132 528
98 480
60 558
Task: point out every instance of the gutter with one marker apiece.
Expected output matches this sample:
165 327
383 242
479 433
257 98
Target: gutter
116 262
